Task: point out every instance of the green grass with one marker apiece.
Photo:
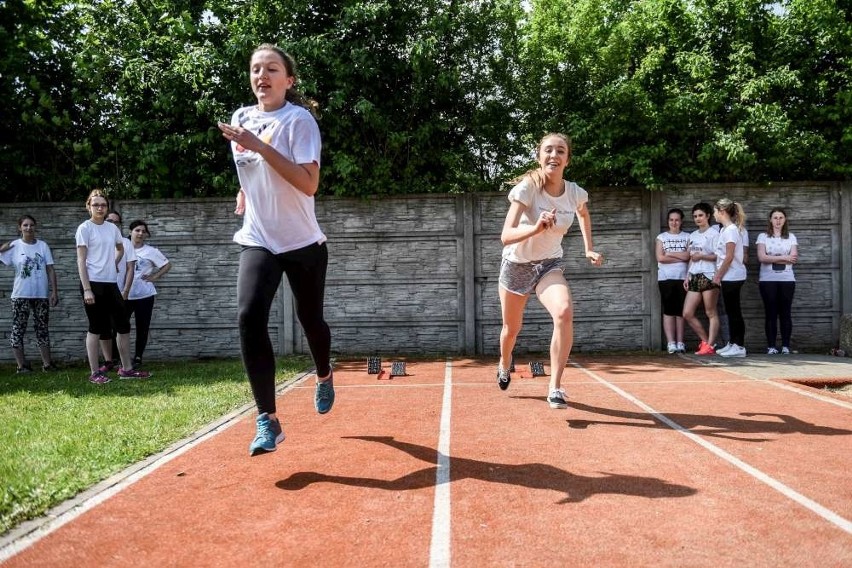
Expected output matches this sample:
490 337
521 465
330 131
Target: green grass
60 434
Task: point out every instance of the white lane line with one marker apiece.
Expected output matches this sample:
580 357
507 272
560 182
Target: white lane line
813 506
439 549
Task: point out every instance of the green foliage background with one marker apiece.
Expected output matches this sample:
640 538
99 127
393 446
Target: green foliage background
426 96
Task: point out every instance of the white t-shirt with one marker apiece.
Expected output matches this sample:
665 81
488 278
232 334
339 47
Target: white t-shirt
672 243
129 256
30 262
703 243
547 244
776 246
736 270
148 261
278 217
100 241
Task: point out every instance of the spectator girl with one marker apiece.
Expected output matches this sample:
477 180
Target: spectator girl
777 252
276 147
672 264
731 271
699 284
34 291
99 251
124 280
542 208
151 265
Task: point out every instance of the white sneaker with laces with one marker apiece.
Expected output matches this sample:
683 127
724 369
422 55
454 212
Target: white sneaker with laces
672 347
785 351
771 351
556 399
734 351
681 348
724 349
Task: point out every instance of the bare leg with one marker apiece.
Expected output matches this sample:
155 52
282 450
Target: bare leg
711 297
512 309
669 328
123 341
679 329
555 295
92 344
693 299
45 355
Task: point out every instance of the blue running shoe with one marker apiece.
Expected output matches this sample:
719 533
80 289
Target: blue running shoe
324 395
269 435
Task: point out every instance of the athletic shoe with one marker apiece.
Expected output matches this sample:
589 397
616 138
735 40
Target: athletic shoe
672 347
269 435
324 395
137 362
132 373
681 348
26 368
49 368
735 351
785 351
107 367
99 378
771 351
724 349
705 348
503 379
556 399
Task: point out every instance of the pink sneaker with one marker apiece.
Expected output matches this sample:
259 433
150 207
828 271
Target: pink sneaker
99 378
132 374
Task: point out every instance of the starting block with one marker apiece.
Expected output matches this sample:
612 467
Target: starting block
397 369
374 365
537 369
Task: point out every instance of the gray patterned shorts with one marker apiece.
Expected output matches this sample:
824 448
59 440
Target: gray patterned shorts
522 278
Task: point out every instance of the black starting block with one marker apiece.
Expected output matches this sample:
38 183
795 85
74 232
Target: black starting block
374 365
537 369
397 369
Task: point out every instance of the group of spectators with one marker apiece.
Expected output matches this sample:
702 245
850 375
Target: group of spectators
116 281
708 268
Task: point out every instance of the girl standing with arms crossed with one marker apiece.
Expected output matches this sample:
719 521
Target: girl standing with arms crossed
542 208
672 261
731 271
777 251
699 283
276 146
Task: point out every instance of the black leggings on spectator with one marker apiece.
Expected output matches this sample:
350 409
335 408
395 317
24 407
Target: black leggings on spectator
257 282
778 304
142 309
731 296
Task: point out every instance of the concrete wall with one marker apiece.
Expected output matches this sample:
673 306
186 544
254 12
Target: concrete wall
418 274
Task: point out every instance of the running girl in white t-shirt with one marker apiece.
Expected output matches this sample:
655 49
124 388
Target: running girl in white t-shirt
543 206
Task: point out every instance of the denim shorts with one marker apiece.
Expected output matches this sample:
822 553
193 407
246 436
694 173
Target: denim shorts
522 278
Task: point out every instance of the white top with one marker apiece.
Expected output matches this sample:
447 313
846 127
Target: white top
278 217
129 256
100 241
776 246
148 261
547 244
30 262
673 243
736 270
703 243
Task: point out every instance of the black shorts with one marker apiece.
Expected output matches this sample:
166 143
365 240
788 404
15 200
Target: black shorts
672 295
108 313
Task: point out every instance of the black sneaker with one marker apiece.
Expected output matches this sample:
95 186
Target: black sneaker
137 362
49 368
503 379
25 369
556 399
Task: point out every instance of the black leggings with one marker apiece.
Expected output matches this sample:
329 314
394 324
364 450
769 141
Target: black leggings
778 303
731 297
143 308
259 277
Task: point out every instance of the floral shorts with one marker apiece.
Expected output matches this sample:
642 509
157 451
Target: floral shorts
700 283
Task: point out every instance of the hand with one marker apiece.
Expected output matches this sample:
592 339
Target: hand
241 203
54 299
88 297
244 138
695 257
794 257
596 258
546 220
6 246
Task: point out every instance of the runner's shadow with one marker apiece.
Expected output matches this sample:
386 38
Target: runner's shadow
576 488
708 425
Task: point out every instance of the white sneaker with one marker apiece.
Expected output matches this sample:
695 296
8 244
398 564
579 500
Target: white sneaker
681 348
724 349
771 351
734 351
785 351
672 347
